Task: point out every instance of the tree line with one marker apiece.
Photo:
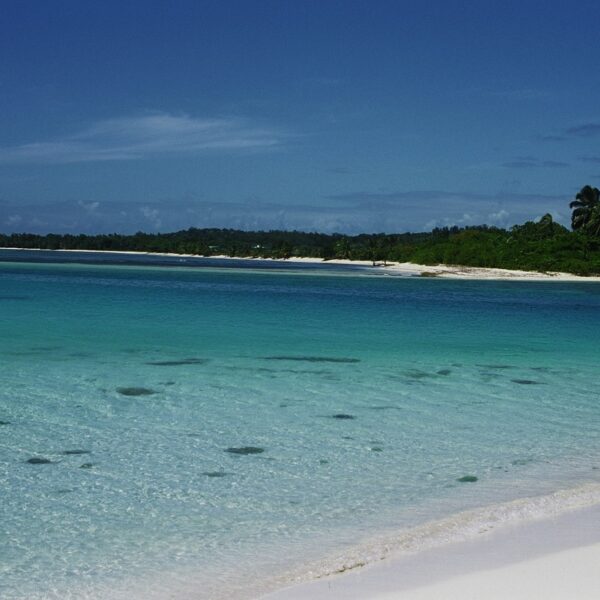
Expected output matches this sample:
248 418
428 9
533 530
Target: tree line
542 245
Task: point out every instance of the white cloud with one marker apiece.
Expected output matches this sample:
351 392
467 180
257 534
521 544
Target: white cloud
152 215
90 207
498 217
13 220
138 137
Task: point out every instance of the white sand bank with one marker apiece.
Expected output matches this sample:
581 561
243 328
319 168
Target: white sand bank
461 272
458 272
550 559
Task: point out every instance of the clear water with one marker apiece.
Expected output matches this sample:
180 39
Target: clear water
443 378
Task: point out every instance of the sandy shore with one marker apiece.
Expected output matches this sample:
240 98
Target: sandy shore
555 558
392 268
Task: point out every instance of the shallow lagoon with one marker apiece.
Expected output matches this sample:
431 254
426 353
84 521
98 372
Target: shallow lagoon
194 430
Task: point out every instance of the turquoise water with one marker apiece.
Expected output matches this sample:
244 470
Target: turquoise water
353 404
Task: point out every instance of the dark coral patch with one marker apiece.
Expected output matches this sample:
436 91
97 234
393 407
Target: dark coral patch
36 460
4 422
135 391
444 372
176 363
246 450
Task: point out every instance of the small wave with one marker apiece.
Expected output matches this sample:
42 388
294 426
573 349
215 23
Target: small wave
455 528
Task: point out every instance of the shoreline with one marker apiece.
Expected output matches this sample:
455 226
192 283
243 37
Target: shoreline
539 535
552 556
408 269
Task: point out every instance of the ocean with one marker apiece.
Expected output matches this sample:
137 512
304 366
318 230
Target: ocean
192 429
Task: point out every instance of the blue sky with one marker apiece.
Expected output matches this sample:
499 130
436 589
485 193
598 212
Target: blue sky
315 115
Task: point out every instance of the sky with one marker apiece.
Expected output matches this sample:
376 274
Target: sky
318 115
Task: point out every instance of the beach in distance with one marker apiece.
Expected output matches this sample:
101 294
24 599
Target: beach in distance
393 268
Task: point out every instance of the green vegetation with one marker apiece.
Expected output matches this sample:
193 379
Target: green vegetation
534 246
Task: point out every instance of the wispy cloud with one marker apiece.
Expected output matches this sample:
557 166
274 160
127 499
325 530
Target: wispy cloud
398 197
551 137
595 160
139 137
340 171
531 162
584 130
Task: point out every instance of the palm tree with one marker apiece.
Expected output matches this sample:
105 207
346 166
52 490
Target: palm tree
586 213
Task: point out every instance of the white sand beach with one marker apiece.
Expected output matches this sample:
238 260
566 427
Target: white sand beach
455 271
462 272
556 558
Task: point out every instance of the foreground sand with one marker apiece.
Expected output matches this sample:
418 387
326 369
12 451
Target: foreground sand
559 576
550 559
408 269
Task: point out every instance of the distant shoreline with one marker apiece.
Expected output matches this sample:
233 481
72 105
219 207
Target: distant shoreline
407 268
